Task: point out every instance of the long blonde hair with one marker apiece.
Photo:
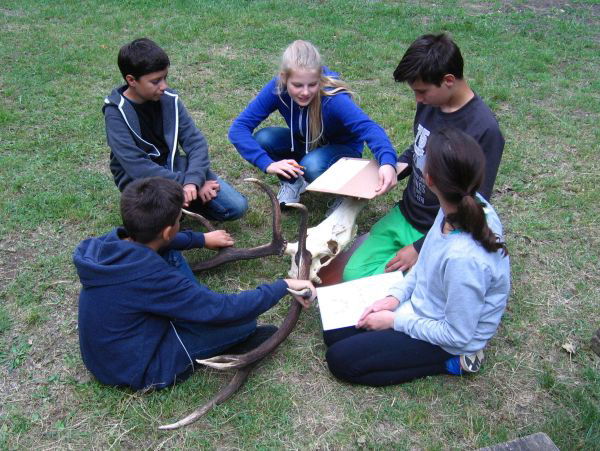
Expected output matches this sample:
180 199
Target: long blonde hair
303 55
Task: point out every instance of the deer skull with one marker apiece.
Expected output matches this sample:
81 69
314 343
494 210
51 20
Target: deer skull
330 237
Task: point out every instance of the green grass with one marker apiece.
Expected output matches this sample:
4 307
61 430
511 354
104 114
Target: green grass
536 65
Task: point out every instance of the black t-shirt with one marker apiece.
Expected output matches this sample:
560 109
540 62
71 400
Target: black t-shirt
419 205
151 124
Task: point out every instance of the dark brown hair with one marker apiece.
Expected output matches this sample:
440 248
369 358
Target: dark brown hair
149 205
428 59
140 57
456 165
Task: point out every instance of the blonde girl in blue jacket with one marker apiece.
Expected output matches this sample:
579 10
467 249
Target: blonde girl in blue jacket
323 125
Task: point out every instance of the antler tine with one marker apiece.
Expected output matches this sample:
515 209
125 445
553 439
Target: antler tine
275 247
227 362
303 256
223 395
205 222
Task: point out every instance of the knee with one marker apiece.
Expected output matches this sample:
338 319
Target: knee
267 138
313 166
237 209
339 363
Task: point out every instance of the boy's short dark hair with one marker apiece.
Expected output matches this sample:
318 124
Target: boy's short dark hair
149 205
140 57
428 59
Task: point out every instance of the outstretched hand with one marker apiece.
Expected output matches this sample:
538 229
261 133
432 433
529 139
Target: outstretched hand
404 260
217 239
387 179
299 285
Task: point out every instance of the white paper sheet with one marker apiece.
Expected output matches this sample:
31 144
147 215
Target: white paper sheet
341 305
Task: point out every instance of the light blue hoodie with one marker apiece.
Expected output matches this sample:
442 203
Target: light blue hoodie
457 292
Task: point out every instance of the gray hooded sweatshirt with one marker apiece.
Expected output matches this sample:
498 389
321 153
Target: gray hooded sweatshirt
131 156
455 295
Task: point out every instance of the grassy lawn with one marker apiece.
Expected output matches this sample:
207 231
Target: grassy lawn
535 63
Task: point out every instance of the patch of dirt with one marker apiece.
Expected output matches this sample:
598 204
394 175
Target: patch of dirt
540 7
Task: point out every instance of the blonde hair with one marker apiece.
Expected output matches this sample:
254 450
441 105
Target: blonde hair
303 55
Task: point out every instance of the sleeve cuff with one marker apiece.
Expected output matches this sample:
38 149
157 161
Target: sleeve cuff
388 158
263 162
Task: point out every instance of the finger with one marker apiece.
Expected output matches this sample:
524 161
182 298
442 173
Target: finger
392 262
393 267
282 173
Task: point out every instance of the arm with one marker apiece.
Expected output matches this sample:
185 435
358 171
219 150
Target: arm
362 126
183 300
240 132
464 286
195 147
492 144
135 162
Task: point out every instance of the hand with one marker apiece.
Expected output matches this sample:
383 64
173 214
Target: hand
387 179
190 193
299 285
404 260
217 239
209 191
387 303
377 321
285 168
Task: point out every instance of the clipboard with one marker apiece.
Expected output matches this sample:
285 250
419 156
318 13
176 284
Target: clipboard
354 177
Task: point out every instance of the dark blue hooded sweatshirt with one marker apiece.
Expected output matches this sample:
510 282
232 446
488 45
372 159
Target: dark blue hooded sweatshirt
129 300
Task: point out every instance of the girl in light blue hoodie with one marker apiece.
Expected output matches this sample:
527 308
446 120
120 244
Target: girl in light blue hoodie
323 125
441 316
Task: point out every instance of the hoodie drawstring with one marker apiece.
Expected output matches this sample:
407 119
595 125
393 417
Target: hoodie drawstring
300 125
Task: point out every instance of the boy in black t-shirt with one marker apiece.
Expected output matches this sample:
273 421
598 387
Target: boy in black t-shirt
433 68
146 123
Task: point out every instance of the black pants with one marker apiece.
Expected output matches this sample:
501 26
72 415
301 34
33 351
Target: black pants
379 358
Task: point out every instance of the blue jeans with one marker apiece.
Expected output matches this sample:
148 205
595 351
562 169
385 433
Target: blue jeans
205 340
278 144
227 206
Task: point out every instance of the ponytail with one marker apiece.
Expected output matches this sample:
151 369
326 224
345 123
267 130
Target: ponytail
470 217
456 164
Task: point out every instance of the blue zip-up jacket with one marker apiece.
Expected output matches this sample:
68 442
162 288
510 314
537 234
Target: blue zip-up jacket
343 123
130 156
131 300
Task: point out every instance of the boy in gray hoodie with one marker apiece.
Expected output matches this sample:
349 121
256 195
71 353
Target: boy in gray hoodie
146 123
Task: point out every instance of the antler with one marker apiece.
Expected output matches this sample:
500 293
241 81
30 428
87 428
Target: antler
222 396
303 258
245 362
225 255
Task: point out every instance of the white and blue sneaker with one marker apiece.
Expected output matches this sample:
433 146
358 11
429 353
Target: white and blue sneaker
468 363
289 192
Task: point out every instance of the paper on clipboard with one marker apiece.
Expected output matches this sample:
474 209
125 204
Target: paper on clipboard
341 305
355 177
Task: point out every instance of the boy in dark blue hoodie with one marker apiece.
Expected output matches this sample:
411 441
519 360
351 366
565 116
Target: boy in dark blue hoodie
147 123
143 316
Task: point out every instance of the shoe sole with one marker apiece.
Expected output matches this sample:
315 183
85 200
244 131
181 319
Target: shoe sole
472 363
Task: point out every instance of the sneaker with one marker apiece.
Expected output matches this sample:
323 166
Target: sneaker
471 362
290 191
461 364
333 204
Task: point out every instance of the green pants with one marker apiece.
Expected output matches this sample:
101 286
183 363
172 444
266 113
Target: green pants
387 236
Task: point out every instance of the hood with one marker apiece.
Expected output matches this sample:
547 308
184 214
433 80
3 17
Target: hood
110 260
